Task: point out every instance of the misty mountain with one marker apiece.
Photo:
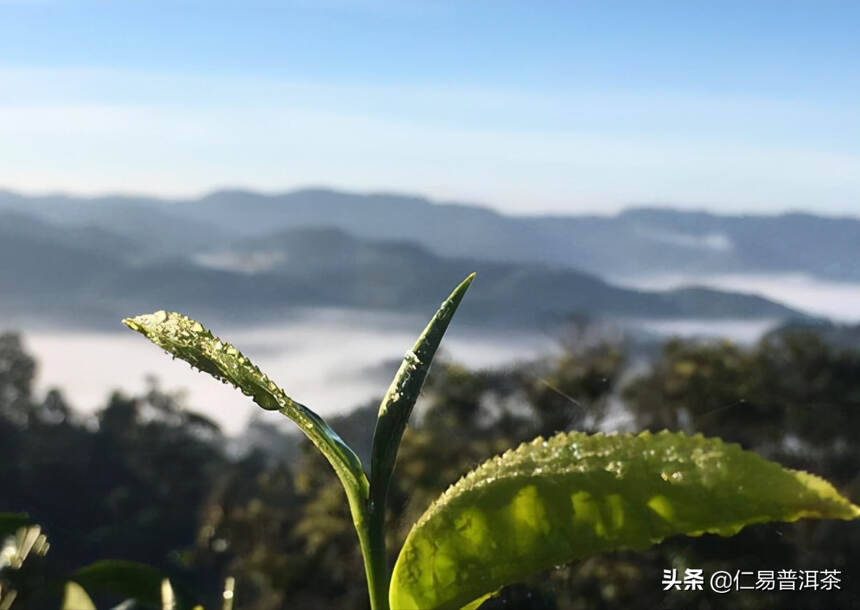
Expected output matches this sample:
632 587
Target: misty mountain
376 273
46 269
151 227
643 241
85 277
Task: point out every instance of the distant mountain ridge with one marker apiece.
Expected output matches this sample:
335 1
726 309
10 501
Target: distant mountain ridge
633 242
89 277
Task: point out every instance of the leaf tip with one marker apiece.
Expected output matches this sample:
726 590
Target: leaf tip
462 287
149 321
133 323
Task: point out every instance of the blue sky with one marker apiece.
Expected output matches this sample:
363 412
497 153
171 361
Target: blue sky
527 106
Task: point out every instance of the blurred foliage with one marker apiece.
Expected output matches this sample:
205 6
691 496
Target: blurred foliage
146 480
126 483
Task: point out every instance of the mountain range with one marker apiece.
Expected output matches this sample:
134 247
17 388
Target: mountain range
244 256
636 241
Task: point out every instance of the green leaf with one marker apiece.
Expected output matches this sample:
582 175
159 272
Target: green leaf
187 339
397 404
136 581
75 598
477 603
551 502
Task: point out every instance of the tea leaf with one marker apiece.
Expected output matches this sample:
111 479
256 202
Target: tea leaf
397 404
551 502
189 340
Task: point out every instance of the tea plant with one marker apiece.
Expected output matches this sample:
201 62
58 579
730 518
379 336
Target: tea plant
550 501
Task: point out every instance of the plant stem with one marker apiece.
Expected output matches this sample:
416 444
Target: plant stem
377 558
370 527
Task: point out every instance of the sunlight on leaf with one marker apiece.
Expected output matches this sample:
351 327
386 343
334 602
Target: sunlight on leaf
14 549
477 603
75 598
168 599
551 502
7 598
228 594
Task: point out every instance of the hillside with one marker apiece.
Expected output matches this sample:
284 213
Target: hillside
91 277
637 241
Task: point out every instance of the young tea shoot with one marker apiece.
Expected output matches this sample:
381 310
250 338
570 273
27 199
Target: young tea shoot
546 503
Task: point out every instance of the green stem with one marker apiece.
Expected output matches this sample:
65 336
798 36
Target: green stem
378 555
370 528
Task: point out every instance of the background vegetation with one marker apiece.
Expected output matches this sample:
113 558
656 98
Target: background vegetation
148 480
